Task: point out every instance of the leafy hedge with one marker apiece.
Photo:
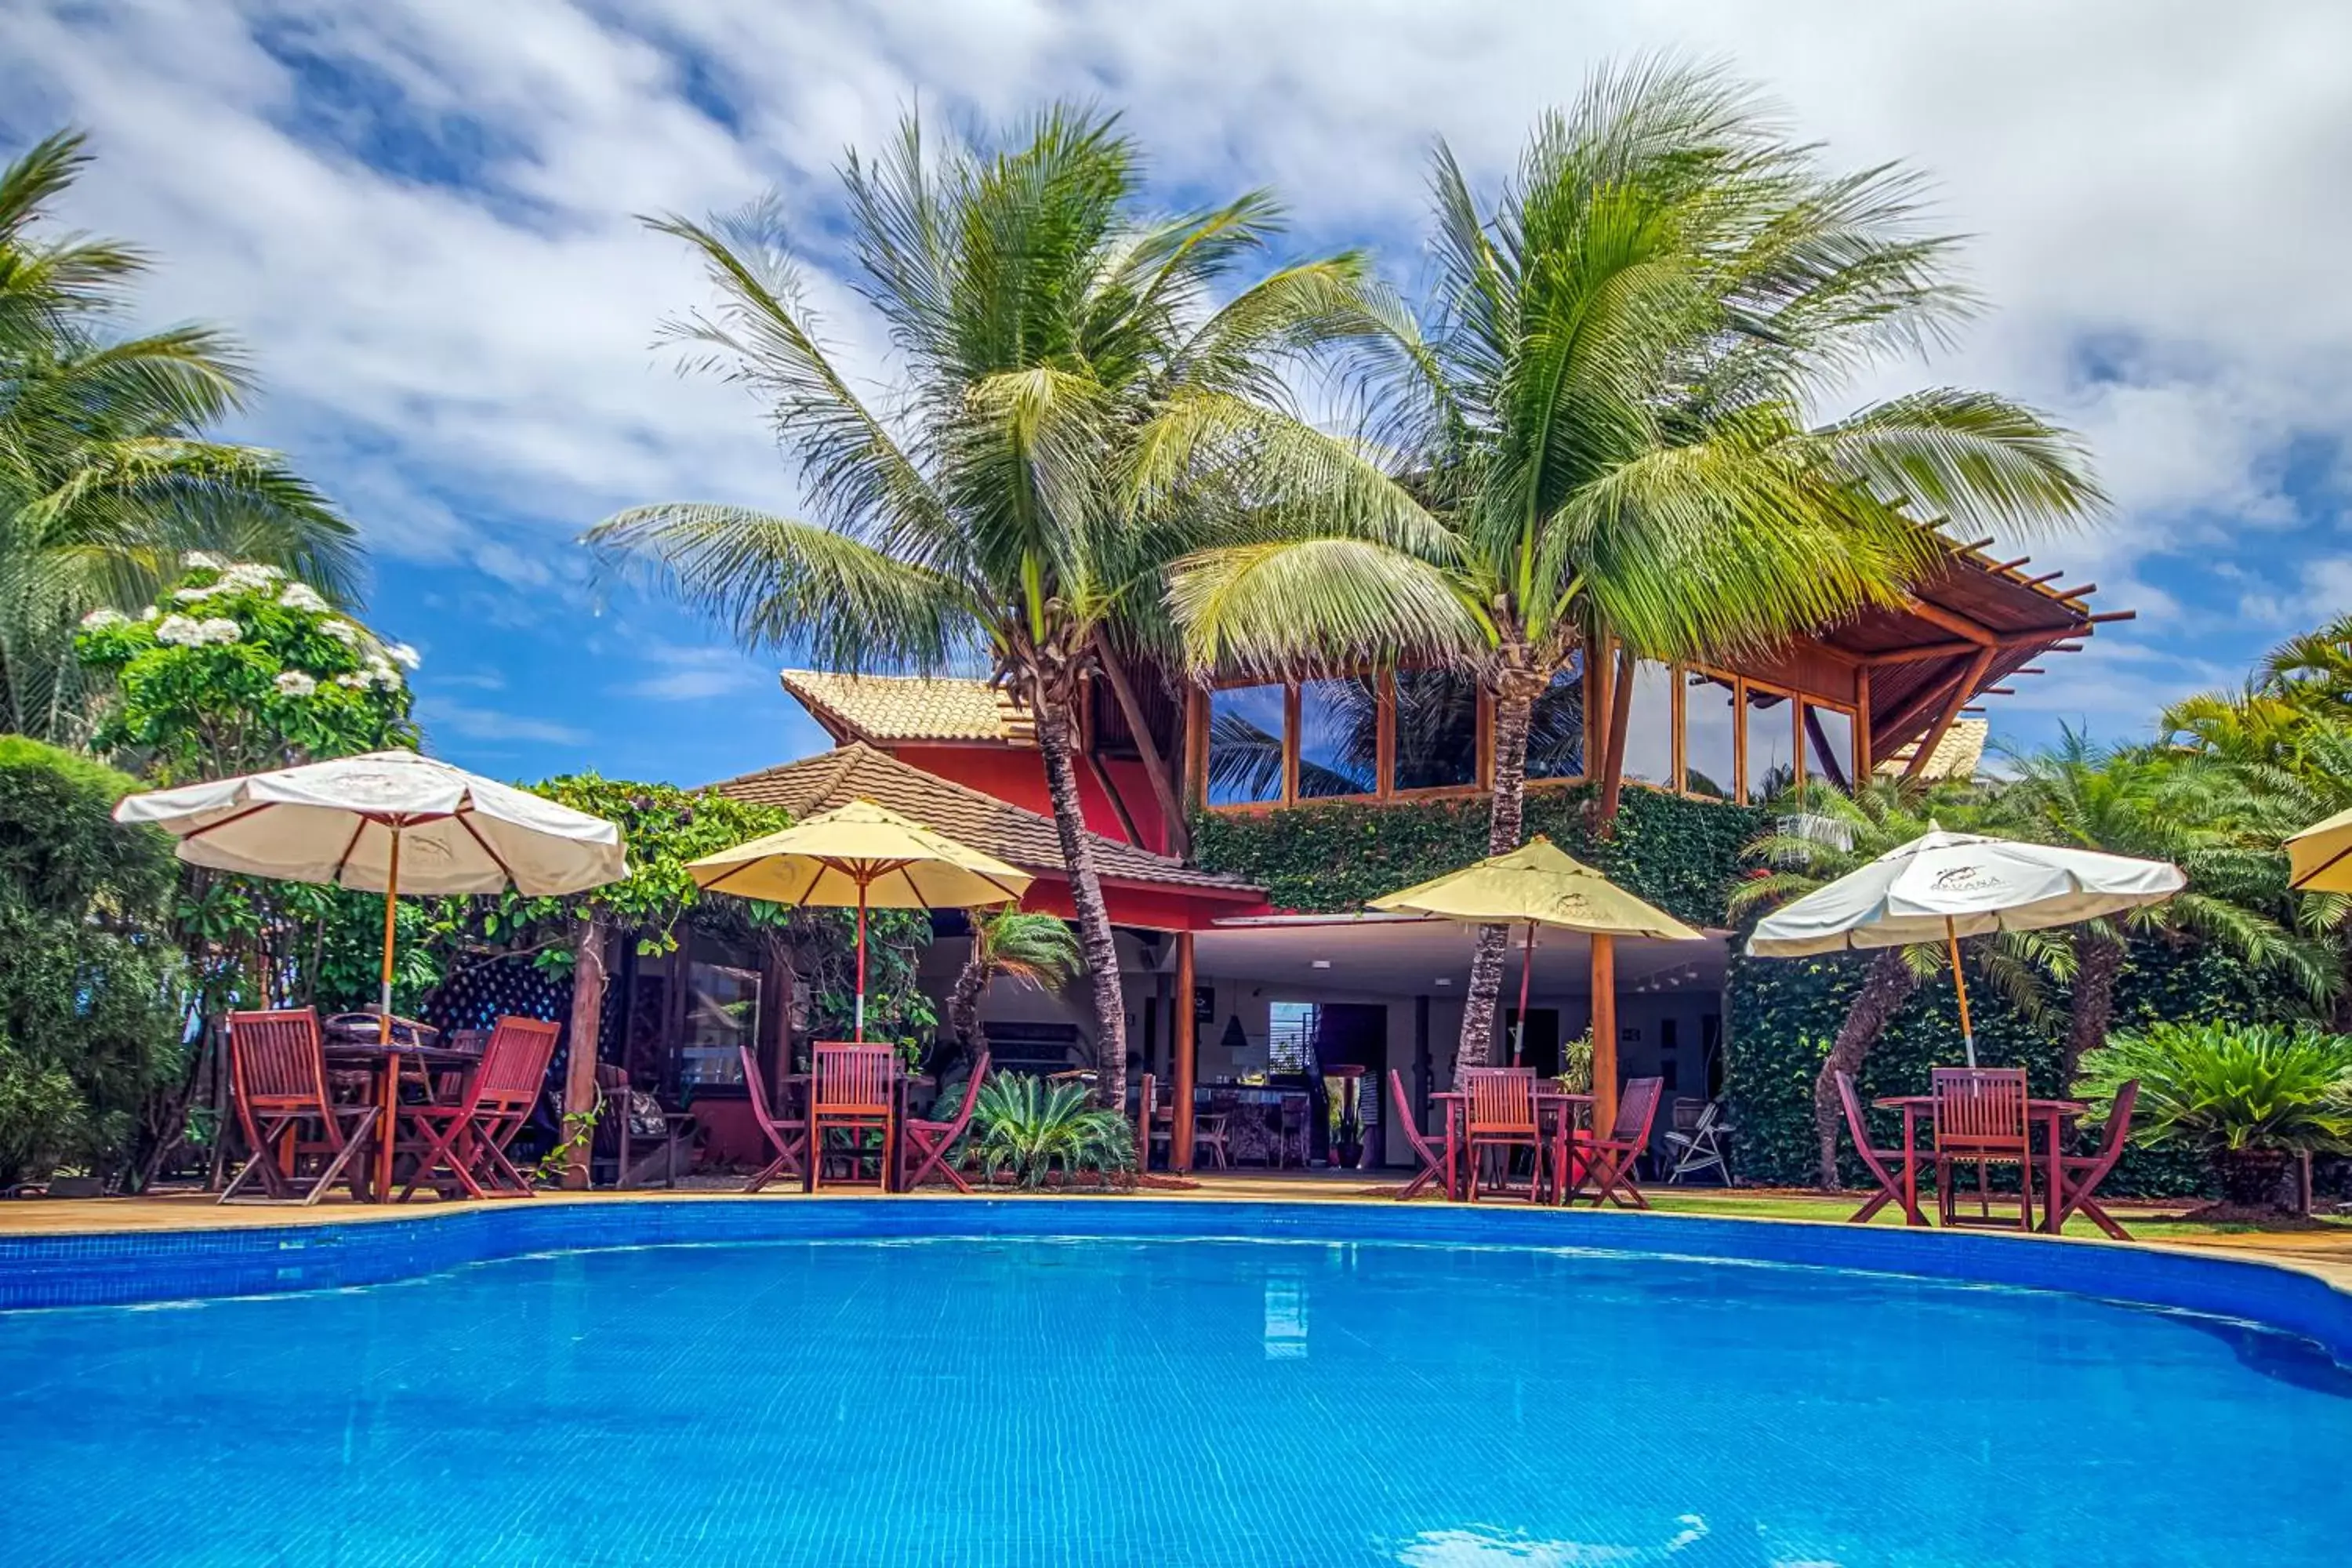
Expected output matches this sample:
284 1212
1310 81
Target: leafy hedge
87 1022
1681 855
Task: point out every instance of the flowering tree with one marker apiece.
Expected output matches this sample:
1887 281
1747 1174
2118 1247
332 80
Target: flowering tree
239 669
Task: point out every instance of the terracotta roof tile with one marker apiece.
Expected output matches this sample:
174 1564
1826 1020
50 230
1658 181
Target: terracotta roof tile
1022 837
1956 756
886 708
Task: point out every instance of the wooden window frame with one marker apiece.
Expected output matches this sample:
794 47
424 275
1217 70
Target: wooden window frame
1853 768
1796 700
1482 770
1738 684
1581 776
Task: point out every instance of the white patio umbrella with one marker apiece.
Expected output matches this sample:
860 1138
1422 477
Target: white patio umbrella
1942 886
387 822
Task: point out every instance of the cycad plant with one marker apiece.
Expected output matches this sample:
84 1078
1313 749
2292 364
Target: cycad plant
1609 417
2246 1095
1071 407
1028 1127
2203 817
1037 950
1818 834
106 479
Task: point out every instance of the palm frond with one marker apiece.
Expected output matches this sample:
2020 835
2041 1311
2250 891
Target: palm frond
1286 607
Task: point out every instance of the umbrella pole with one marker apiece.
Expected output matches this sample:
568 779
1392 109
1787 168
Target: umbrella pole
1960 984
861 963
1526 964
391 905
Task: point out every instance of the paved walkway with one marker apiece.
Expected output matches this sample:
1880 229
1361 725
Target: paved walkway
2326 1253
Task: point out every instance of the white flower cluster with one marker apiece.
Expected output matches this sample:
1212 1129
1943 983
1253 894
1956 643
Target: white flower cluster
198 561
237 578
189 632
342 632
98 619
297 683
302 596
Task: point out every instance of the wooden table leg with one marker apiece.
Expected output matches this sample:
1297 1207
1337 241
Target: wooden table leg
2054 1191
1911 1215
387 1126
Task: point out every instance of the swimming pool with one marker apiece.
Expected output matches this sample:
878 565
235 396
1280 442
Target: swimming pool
1332 1391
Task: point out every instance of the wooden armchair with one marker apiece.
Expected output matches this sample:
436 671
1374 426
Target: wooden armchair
278 1069
468 1138
638 1138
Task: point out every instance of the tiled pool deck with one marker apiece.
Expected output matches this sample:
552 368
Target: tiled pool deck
123 1250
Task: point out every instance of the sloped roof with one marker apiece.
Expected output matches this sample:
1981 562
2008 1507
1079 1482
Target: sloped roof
882 709
1025 839
1956 756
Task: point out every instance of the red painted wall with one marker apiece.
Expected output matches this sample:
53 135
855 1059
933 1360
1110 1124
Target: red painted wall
1019 778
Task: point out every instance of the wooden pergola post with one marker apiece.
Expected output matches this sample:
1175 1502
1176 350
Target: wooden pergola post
1604 1034
1181 1031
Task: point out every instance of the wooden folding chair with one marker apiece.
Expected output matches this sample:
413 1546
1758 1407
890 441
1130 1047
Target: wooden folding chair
1890 1190
851 1091
2075 1178
1500 1114
1981 1119
786 1136
278 1069
468 1138
1435 1155
1609 1163
925 1145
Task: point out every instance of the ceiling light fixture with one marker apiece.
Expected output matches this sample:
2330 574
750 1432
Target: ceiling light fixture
1322 963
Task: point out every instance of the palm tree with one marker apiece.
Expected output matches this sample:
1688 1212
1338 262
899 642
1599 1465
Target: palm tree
105 477
1036 948
1607 414
1072 410
2143 801
1818 834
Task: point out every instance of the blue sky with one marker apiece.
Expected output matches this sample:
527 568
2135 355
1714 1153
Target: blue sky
419 217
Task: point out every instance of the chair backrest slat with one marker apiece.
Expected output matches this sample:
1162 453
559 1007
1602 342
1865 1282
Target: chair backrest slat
1637 1110
1979 1108
2119 1121
1405 1117
852 1079
514 1063
971 1101
755 1083
277 1059
1501 1099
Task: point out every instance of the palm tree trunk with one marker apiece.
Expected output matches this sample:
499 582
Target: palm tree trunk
2098 959
963 1002
1505 826
1888 984
1085 898
1613 751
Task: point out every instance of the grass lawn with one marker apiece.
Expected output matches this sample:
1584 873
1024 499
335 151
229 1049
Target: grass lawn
2145 1222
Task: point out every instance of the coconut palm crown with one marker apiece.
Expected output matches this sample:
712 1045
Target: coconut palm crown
1080 395
1607 416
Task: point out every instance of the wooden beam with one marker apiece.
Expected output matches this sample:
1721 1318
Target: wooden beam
2011 565
1604 1035
1919 652
1178 839
2068 646
1957 624
1183 1027
1862 758
1922 702
1960 694
1978 543
2101 620
2045 577
2074 593
1997 691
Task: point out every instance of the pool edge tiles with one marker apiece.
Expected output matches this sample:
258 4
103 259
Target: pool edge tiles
130 1269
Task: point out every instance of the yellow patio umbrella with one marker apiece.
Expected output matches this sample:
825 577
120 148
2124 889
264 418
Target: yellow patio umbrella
861 854
1537 884
2319 858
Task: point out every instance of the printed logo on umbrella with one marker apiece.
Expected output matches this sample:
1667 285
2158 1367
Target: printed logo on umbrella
1963 879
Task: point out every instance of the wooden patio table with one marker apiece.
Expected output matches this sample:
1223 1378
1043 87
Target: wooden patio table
2053 1115
381 1061
1563 1109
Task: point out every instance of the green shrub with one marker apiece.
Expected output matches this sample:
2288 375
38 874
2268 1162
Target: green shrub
2245 1096
1029 1127
88 1019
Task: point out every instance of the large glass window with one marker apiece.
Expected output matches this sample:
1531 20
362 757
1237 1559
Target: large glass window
1650 726
1436 730
1771 744
1710 739
1339 737
1828 746
1556 729
722 1015
1245 745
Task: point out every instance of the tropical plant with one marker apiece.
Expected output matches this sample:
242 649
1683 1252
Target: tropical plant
1037 950
1074 411
1608 418
2146 801
1818 834
1029 1127
89 1020
2248 1096
105 475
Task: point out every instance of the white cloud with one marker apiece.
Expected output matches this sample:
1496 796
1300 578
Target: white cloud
692 674
461 349
488 724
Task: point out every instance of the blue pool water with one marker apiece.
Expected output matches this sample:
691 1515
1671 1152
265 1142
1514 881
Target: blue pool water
1140 1403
